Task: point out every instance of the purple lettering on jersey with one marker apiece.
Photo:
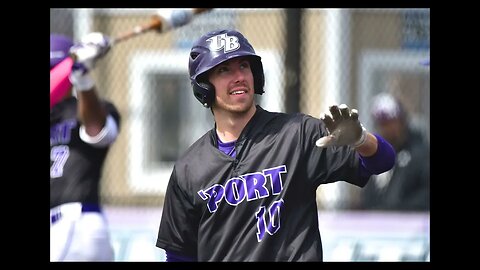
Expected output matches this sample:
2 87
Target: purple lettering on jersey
61 133
273 219
202 195
255 186
250 185
276 178
274 211
260 216
235 191
215 193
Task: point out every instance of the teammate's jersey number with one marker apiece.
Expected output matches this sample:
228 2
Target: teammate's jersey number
59 155
273 222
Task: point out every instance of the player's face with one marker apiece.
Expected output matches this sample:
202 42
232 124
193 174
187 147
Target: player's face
233 81
391 130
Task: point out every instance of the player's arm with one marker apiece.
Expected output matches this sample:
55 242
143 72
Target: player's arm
369 147
376 154
178 231
91 112
98 127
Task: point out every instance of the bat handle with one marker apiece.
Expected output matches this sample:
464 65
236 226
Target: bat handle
200 10
155 23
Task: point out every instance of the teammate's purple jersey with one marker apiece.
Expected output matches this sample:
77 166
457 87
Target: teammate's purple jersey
260 205
75 166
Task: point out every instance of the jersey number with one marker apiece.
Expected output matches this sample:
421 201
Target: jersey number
274 219
59 155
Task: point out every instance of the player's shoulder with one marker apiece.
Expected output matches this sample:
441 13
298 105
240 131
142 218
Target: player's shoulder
279 117
199 148
297 119
279 122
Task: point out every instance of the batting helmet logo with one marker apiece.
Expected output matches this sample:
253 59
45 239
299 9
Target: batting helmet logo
213 49
225 42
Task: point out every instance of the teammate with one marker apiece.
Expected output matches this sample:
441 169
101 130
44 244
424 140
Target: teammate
245 191
405 187
82 128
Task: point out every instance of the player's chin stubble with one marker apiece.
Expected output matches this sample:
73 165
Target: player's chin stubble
237 107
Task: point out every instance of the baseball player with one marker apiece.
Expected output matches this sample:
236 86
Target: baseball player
82 128
406 186
245 191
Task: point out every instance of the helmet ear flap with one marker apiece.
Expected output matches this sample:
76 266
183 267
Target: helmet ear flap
258 75
259 81
204 92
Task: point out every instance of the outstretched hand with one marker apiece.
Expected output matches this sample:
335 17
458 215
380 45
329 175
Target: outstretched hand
343 128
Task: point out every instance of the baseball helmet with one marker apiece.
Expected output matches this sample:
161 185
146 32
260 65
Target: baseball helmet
59 48
213 49
386 107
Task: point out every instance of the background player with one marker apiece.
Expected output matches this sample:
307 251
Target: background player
407 186
245 191
82 128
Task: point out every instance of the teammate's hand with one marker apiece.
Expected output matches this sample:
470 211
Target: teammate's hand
343 128
92 47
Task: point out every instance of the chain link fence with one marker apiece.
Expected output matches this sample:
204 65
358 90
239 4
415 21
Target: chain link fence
312 58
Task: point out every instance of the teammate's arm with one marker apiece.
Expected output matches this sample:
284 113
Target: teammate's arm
97 126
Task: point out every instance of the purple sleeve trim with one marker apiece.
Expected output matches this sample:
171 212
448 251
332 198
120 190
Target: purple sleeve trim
382 161
171 257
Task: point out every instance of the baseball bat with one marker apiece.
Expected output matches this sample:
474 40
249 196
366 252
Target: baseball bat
157 22
59 81
164 20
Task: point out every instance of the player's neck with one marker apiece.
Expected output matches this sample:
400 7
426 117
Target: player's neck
230 126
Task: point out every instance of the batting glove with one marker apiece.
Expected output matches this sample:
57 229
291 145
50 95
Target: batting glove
92 47
343 128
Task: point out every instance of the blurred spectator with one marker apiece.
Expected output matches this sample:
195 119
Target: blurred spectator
406 187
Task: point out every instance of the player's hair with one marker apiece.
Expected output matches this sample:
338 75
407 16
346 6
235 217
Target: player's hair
214 48
59 48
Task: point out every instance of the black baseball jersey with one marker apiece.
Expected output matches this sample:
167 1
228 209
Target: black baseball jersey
407 185
75 166
261 205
